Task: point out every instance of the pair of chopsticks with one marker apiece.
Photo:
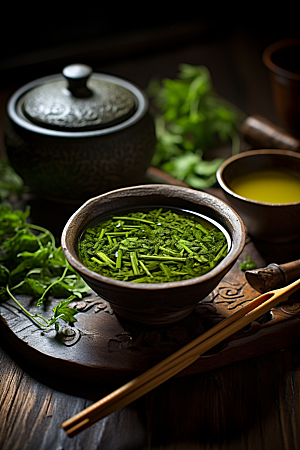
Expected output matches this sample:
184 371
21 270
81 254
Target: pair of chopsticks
175 363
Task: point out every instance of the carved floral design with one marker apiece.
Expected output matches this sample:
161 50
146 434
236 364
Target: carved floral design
84 305
230 294
227 296
70 336
290 308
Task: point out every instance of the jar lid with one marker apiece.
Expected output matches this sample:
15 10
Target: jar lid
78 101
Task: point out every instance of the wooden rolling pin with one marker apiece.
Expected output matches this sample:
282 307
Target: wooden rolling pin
261 133
273 276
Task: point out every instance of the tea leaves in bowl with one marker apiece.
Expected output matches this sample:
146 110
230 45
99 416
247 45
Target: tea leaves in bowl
156 246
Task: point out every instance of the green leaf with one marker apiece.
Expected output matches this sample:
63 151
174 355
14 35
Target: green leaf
182 166
22 240
247 264
31 286
208 168
29 260
64 312
197 182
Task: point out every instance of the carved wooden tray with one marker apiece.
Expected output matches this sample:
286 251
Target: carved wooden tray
101 347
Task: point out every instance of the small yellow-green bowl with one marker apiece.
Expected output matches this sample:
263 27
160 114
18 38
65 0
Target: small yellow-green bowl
270 222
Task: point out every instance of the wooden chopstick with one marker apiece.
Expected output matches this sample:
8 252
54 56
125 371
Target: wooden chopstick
178 361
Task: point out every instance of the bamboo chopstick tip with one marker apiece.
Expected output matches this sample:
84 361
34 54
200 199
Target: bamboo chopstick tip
72 430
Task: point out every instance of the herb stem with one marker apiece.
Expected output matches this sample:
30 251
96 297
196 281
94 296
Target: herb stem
165 269
134 263
135 219
32 316
145 269
167 250
18 285
41 299
106 259
119 259
163 258
221 253
186 248
117 233
202 228
43 230
96 260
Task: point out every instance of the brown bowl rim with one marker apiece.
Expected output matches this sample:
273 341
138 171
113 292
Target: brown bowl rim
267 57
234 158
230 258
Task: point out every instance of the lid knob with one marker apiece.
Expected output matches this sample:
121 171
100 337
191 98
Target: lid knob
77 76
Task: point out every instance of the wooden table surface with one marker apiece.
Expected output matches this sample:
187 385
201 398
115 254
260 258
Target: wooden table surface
251 404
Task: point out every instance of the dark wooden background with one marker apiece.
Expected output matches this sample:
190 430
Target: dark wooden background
254 404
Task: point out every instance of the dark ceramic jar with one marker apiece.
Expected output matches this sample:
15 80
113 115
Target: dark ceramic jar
76 135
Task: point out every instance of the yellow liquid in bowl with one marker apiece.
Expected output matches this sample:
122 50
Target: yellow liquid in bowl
268 186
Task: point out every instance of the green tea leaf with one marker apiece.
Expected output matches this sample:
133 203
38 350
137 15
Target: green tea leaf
169 246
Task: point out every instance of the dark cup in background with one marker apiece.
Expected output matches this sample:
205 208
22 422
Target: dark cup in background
282 58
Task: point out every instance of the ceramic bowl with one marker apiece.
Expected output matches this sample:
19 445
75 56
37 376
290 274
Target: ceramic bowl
75 135
270 222
160 303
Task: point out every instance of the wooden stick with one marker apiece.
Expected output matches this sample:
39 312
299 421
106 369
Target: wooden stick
175 363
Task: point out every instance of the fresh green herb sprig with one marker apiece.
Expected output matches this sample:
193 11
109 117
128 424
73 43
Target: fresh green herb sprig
247 264
190 120
152 247
30 263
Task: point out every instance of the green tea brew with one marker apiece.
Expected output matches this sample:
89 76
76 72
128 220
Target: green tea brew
268 186
153 246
